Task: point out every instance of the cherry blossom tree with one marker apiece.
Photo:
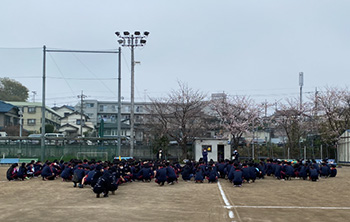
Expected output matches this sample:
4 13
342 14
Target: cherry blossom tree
237 115
334 113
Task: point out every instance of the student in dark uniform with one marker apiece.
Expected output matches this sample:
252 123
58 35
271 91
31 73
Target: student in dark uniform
145 173
213 175
103 182
333 171
48 172
289 171
237 177
252 172
245 173
199 177
303 171
313 174
160 175
187 172
67 173
38 167
78 176
11 173
205 156
324 170
22 172
170 173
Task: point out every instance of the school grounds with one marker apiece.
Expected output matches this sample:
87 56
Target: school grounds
265 200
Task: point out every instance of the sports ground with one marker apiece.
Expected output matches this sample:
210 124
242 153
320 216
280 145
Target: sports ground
265 200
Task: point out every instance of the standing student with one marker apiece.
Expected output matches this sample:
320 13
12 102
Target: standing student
205 156
160 155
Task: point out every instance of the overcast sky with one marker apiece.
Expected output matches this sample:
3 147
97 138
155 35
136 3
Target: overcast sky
254 48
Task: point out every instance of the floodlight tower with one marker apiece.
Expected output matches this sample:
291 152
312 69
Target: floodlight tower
132 40
301 83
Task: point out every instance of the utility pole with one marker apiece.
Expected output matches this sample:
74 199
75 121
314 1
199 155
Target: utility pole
81 96
132 40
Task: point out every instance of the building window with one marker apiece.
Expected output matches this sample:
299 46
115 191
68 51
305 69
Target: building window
90 105
31 121
102 108
139 109
66 114
31 110
78 122
114 108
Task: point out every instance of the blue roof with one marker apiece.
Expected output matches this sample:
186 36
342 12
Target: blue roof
5 107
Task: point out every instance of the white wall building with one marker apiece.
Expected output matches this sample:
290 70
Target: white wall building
219 148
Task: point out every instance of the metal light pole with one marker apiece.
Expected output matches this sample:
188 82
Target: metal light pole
132 40
301 83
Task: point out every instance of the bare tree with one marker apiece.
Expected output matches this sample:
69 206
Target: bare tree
180 116
237 115
294 120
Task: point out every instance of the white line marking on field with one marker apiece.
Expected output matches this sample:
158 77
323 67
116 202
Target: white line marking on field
230 214
227 203
292 207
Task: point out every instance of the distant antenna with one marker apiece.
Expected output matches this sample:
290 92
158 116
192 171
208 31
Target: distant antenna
34 94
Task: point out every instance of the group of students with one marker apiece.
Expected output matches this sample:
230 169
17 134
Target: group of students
102 177
248 171
105 177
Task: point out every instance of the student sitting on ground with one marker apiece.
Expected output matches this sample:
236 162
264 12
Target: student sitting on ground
22 172
170 173
48 172
199 177
313 174
333 171
78 176
12 172
160 175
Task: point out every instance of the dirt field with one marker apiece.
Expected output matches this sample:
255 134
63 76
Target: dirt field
264 200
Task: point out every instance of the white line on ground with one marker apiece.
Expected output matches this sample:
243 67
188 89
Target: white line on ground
290 207
227 203
230 214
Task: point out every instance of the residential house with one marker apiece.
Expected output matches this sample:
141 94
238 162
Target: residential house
9 115
74 124
32 116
